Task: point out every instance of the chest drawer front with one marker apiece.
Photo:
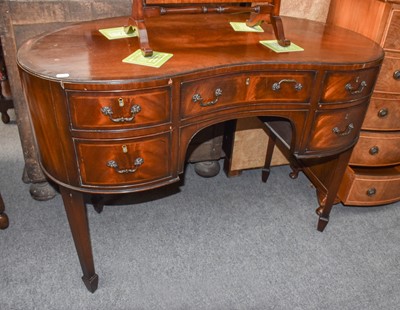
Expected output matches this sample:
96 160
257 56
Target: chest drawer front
125 162
347 86
213 94
119 110
376 149
389 77
367 187
335 129
382 114
392 40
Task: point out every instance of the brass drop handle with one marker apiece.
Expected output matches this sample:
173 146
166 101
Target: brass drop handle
137 163
135 109
374 150
371 191
345 132
354 91
383 112
396 75
277 86
197 98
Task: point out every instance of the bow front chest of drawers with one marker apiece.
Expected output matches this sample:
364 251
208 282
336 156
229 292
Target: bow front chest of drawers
103 126
373 176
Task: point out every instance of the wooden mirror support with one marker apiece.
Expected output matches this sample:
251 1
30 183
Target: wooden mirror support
266 11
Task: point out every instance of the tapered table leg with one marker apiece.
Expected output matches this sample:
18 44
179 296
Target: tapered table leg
77 217
328 200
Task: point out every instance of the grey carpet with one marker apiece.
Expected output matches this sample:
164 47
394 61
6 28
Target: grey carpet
213 243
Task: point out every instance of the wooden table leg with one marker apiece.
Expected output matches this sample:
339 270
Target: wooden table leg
75 208
3 217
326 202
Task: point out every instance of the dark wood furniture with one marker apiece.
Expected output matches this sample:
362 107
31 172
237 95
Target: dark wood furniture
72 75
3 216
373 175
23 19
6 102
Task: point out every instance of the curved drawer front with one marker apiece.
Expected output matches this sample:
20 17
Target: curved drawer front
383 114
389 77
367 187
335 129
213 94
349 85
124 162
376 149
119 110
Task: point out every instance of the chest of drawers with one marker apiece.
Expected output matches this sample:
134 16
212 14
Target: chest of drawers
103 126
372 177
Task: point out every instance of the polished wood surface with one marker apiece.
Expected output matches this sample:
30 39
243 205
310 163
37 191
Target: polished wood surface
261 11
73 77
211 42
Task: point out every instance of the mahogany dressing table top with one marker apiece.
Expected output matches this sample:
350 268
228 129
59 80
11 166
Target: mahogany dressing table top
198 44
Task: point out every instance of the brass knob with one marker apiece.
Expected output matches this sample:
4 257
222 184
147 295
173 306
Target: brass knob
396 75
383 112
374 150
371 191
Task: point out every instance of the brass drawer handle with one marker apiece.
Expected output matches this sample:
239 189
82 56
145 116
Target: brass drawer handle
197 98
345 132
107 111
374 150
371 191
396 75
383 112
277 86
359 90
137 163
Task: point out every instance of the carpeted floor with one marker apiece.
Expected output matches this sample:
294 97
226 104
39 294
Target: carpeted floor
213 243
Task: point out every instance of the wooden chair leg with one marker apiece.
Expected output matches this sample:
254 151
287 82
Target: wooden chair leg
268 158
3 217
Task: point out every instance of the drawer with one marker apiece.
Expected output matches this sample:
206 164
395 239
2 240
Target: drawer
119 110
369 187
335 129
349 85
376 149
222 92
392 40
382 114
389 77
124 162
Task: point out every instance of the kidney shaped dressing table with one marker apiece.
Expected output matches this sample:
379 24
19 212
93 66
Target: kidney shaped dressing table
103 126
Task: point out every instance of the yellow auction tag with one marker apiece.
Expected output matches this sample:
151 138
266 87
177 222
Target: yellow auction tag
156 60
274 45
242 27
119 32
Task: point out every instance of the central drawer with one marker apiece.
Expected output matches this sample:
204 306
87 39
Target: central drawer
212 94
120 109
124 162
